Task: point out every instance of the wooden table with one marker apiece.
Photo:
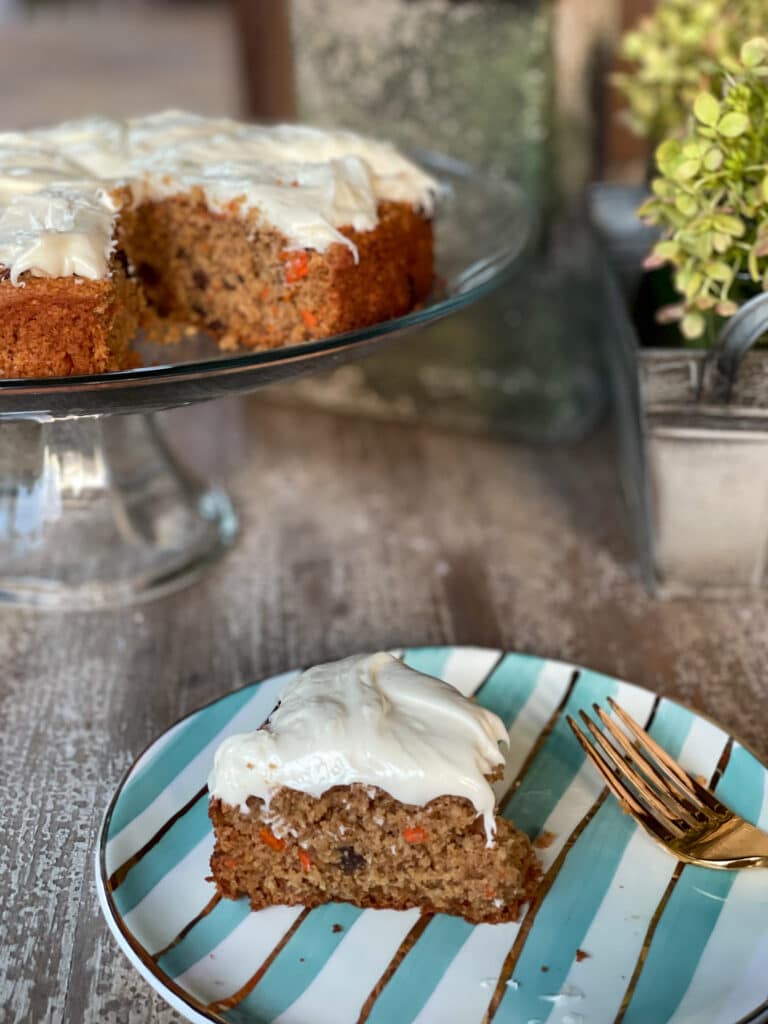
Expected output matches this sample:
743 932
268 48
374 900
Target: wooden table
355 535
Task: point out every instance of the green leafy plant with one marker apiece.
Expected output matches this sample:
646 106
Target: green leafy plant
676 52
711 197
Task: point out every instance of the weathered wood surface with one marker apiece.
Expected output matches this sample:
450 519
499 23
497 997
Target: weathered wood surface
355 535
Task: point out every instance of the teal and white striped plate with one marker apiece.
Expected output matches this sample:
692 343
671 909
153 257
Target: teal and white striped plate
623 932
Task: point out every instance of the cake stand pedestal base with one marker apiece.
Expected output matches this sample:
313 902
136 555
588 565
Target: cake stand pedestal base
96 511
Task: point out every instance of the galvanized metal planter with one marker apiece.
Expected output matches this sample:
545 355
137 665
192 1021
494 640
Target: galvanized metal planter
693 432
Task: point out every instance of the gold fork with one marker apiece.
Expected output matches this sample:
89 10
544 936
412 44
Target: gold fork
677 812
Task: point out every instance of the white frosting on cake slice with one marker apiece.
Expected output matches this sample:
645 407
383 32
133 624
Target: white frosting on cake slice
372 720
57 213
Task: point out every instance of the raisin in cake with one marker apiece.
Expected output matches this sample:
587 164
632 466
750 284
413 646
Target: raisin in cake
370 783
263 236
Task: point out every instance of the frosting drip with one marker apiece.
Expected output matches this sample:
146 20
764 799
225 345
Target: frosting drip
372 720
57 209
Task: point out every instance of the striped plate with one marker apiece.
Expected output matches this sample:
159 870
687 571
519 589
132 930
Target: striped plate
621 932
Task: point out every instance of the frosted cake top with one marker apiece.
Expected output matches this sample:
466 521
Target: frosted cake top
58 185
367 719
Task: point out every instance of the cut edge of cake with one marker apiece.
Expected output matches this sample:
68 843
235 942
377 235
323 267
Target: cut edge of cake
356 842
358 845
64 327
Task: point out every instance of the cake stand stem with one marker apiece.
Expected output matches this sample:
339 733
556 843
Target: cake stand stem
97 511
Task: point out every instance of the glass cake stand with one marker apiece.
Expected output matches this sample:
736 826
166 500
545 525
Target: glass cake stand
95 509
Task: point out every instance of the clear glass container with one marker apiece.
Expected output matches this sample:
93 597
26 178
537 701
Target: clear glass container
475 79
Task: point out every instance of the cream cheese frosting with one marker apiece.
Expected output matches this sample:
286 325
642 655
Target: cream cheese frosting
368 719
57 210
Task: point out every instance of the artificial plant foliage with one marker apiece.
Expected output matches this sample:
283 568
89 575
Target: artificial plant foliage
711 196
676 52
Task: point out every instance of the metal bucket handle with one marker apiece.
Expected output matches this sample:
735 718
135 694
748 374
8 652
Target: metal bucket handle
739 334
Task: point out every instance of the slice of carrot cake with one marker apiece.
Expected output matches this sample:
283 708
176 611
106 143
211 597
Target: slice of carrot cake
262 236
370 783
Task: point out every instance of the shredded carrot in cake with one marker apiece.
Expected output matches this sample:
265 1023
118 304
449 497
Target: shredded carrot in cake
305 859
415 835
296 265
268 836
309 318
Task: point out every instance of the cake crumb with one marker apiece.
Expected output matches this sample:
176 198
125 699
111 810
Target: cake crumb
544 840
544 968
337 928
582 954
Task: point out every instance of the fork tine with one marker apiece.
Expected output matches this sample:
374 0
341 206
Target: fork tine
616 786
689 784
629 773
673 797
623 794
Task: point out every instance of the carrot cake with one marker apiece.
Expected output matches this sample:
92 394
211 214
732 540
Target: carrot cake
370 783
262 236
